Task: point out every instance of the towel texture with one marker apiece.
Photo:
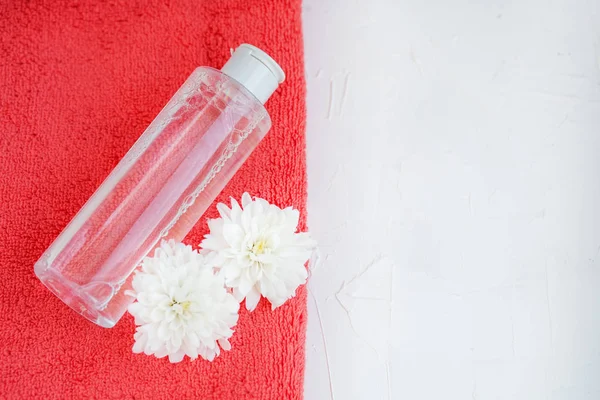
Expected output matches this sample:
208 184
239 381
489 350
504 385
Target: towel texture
79 83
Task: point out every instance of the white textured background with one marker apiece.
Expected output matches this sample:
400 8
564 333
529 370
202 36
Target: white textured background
454 187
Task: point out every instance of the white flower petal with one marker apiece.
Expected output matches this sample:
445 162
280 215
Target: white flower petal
213 243
224 211
224 343
236 210
176 357
140 343
291 219
239 297
233 234
245 284
246 199
252 299
210 355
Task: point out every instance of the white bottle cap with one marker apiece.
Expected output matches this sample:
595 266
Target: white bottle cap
254 69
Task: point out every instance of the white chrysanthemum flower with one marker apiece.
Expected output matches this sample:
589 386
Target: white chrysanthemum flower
258 250
182 307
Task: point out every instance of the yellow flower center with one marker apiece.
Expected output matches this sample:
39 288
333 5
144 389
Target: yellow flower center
180 307
259 247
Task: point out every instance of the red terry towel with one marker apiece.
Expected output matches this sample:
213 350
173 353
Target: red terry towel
80 81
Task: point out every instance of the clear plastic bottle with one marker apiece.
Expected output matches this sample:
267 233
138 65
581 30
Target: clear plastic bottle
163 185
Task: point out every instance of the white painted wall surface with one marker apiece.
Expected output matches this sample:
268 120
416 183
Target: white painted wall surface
454 187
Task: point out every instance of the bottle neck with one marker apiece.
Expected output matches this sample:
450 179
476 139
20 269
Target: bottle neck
254 70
